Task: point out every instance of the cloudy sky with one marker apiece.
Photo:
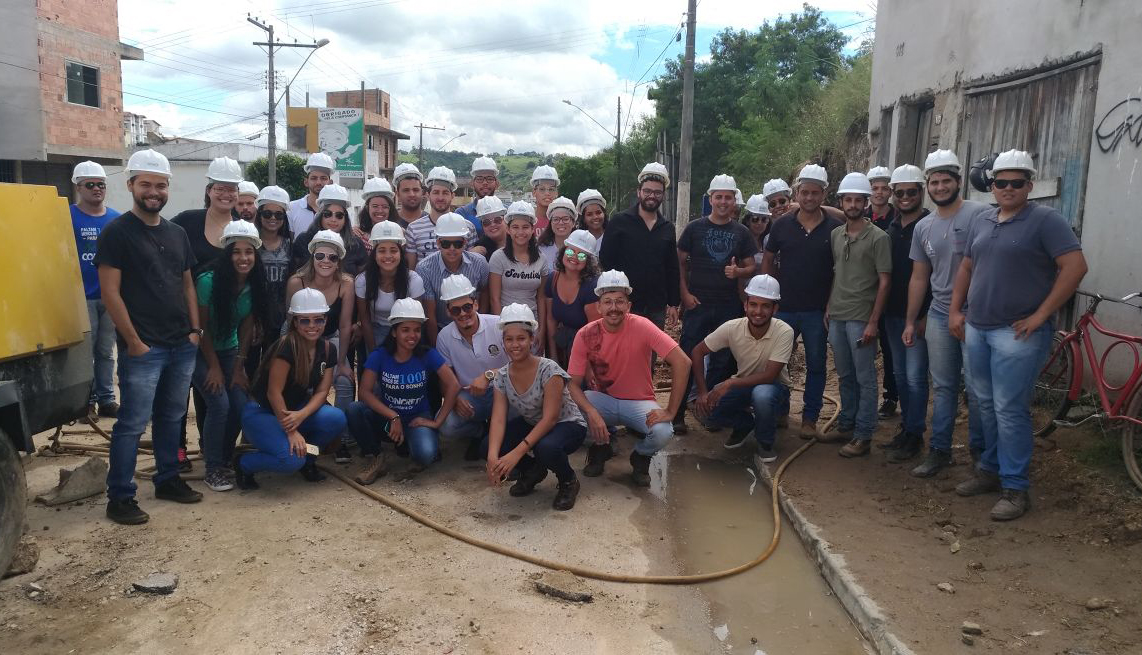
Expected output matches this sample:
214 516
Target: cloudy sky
494 71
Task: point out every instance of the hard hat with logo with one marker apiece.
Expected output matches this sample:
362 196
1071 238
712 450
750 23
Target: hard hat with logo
484 165
377 186
775 186
612 281
757 205
327 238
907 173
814 173
320 161
88 170
148 161
1014 160
333 193
855 182
386 231
878 173
456 286
452 225
588 196
406 170
441 175
225 170
274 194
722 183
544 174
518 314
654 171
562 203
763 286
581 240
941 160
238 231
520 209
406 309
247 188
490 205
308 301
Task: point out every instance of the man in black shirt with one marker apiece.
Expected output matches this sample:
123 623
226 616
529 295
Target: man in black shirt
144 265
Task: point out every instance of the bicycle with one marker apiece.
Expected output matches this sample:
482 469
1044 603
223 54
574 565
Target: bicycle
1060 383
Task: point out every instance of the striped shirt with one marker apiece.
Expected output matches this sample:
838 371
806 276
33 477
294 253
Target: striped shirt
421 237
433 271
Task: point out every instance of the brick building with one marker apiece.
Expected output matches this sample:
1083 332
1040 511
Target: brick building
381 141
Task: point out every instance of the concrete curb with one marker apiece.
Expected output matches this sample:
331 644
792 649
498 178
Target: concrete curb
862 609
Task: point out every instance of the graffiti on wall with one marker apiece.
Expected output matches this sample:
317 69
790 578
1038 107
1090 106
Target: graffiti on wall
1123 121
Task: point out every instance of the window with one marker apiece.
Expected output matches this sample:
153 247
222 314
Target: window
386 110
82 84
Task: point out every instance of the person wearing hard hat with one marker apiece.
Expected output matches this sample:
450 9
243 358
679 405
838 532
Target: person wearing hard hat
592 209
333 213
386 279
275 253
641 243
474 348
145 282
547 425
449 258
302 212
882 213
380 206
485 182
799 239
409 185
862 254
287 411
544 188
422 233
1021 264
761 345
714 252
561 217
88 218
516 271
490 211
757 218
614 353
570 292
247 205
394 395
778 196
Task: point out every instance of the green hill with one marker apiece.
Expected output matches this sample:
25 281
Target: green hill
515 168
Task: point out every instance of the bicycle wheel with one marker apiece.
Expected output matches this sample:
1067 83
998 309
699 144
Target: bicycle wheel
1050 399
1132 441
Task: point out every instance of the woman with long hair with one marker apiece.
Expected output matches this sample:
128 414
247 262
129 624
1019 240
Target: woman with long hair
380 205
548 425
386 279
333 214
287 408
592 208
570 291
517 271
490 212
561 222
273 229
757 219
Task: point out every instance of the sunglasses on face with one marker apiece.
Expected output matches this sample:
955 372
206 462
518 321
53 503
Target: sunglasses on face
317 321
94 185
462 309
271 215
758 219
495 220
445 244
778 202
329 212
1014 184
581 256
320 256
906 193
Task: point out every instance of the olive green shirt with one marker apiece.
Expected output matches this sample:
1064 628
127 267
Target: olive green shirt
857 265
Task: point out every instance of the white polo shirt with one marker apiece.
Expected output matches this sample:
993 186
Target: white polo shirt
470 360
299 215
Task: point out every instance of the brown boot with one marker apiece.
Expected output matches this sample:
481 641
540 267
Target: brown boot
808 429
855 448
375 467
983 482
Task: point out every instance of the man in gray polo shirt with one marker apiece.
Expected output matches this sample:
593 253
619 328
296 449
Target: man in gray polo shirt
862 267
1022 262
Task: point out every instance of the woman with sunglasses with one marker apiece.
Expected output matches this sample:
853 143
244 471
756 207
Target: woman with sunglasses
592 209
561 216
571 290
490 212
517 271
275 252
333 214
757 219
231 302
287 408
778 196
385 280
548 425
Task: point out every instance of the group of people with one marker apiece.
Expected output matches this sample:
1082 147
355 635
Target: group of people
524 332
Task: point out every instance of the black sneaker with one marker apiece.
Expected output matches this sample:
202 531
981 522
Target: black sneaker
680 426
109 410
736 439
913 445
342 456
897 441
125 511
933 463
565 495
473 453
178 490
887 408
309 470
766 454
242 479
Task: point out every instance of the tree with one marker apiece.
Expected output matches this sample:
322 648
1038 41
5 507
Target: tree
291 173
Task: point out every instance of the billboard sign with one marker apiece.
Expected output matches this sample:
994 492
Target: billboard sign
341 135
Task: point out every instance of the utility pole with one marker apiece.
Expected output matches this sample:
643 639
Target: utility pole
618 148
687 141
422 127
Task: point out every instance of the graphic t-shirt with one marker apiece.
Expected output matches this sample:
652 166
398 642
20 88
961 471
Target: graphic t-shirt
620 360
711 247
294 394
529 404
403 386
223 339
87 229
275 263
519 281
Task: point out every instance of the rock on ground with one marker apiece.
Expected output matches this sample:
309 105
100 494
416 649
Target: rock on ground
26 557
157 583
562 584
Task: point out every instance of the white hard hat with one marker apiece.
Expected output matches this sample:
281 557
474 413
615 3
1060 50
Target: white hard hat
238 230
941 160
907 173
485 164
308 301
376 186
581 240
441 174
521 208
518 313
406 170
612 281
456 286
589 196
406 309
274 194
562 203
247 188
225 170
763 286
757 205
1013 160
655 170
722 183
776 185
814 173
738 198
855 182
320 160
878 173
327 238
489 205
544 174
333 193
386 231
452 225
148 161
88 170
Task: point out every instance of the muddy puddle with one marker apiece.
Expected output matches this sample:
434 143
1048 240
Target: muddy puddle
719 516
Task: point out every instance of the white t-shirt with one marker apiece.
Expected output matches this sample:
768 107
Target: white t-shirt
385 299
519 282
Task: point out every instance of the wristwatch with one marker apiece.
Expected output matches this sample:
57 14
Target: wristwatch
197 331
490 375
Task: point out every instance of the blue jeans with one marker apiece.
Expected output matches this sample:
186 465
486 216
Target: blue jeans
223 410
856 368
370 430
103 344
947 357
152 388
458 427
1003 375
768 401
262 430
697 324
911 373
550 451
811 327
632 414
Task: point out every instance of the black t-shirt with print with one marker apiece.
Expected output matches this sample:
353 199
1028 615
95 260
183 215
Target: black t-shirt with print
294 395
711 247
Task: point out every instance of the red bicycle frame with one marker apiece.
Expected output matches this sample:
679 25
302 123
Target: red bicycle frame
1081 333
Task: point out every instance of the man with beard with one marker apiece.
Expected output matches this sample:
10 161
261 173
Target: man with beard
441 183
882 212
485 181
862 274
937 248
761 346
144 265
641 243
318 172
449 258
247 204
409 184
